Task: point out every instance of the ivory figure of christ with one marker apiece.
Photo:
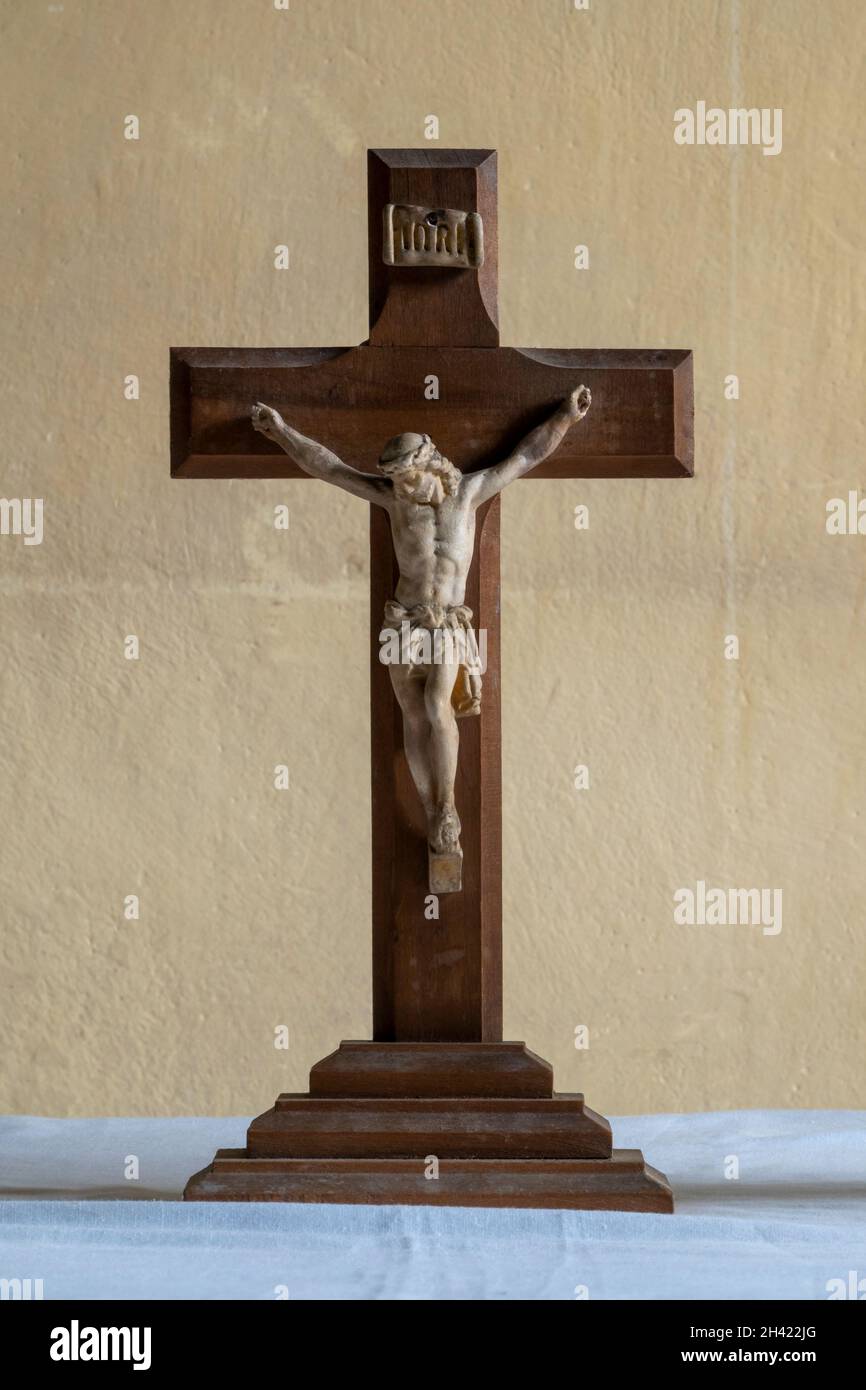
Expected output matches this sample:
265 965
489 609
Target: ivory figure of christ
431 506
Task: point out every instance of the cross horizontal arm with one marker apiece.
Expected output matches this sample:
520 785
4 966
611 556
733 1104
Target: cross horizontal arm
354 399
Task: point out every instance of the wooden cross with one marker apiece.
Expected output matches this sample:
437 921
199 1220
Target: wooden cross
436 1079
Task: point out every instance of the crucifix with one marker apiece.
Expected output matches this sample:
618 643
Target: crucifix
428 421
431 506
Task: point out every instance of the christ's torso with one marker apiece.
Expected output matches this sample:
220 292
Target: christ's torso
433 545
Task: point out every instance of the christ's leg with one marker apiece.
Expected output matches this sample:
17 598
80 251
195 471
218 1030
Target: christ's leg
409 691
444 748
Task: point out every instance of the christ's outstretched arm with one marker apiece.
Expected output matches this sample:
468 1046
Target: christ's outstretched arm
318 461
538 445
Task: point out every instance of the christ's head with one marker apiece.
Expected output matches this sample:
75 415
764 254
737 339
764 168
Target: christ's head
417 469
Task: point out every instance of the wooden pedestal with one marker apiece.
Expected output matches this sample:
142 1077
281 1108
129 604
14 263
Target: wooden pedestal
441 1124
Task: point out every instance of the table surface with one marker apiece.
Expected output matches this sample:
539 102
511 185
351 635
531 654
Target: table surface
792 1221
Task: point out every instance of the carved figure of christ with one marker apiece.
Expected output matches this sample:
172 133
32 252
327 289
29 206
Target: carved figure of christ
431 506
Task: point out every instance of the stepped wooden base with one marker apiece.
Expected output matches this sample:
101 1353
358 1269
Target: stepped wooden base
623 1182
432 1069
441 1124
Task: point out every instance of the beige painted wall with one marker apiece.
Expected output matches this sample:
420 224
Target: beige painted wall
154 777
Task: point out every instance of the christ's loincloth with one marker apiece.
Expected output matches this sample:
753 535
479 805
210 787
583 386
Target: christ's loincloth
421 650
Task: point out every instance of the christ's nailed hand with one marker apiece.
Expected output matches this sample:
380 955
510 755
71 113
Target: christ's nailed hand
579 402
267 421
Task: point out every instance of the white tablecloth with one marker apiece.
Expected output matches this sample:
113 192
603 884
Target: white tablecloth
793 1220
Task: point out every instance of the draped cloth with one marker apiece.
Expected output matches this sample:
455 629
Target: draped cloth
458 641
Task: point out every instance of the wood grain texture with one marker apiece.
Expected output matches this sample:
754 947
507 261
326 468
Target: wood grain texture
437 980
492 1148
354 399
302 1126
623 1182
444 1070
432 306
